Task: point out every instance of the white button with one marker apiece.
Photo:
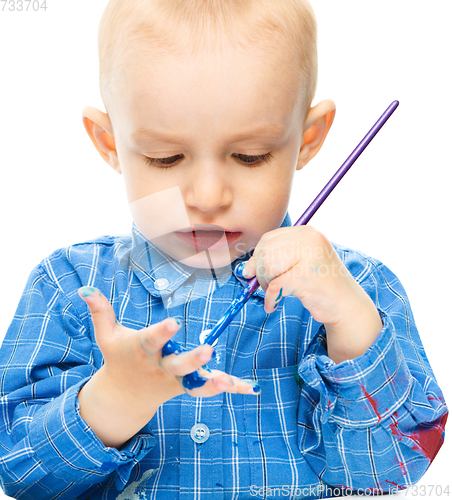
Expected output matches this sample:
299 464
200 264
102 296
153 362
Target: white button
203 336
161 284
200 433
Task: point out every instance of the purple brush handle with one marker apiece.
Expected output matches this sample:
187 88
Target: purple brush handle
333 182
253 284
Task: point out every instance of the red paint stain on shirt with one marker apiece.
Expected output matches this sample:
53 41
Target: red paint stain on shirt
402 466
428 440
436 398
391 482
371 401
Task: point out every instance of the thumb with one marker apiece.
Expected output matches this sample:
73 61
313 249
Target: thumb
102 313
249 269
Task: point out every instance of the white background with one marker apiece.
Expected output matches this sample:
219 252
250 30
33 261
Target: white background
394 204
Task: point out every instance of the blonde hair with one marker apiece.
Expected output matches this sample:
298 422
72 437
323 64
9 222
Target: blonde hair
130 27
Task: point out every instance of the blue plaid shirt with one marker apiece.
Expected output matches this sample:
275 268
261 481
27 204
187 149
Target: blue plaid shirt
375 422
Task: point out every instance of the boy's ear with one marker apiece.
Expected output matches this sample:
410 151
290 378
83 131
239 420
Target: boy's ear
317 124
100 131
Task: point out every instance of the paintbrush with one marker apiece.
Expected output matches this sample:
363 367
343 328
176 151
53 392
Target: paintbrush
194 379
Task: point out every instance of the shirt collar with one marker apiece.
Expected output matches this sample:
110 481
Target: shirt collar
162 275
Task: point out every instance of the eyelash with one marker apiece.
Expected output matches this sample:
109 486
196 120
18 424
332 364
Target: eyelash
266 158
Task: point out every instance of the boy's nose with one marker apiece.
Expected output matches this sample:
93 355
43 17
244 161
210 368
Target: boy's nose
209 188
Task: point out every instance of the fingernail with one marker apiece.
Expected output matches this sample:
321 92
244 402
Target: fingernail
245 271
87 291
204 356
173 326
255 388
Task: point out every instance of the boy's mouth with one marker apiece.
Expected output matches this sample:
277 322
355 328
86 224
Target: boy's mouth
204 239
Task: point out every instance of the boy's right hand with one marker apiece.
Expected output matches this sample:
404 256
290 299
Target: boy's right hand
134 379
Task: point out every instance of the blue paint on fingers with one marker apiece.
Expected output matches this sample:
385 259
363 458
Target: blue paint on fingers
192 380
172 347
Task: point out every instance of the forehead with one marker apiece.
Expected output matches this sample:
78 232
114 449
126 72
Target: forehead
251 90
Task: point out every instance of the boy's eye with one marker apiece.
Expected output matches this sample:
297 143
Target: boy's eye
250 160
163 162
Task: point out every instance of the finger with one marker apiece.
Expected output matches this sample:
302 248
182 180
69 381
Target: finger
187 362
260 271
249 269
258 250
102 313
256 266
154 337
239 270
218 382
273 297
282 286
235 385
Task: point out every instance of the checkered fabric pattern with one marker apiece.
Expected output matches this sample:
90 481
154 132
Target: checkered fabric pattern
372 422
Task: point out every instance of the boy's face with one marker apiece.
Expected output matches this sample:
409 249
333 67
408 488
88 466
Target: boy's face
208 125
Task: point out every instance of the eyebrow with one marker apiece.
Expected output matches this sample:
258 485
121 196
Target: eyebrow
269 131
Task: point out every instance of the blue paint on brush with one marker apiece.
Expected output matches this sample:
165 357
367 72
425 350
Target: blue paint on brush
236 305
194 379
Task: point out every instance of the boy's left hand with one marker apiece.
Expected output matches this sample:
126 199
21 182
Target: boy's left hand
301 261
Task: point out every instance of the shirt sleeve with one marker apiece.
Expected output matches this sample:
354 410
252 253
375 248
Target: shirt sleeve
375 422
46 448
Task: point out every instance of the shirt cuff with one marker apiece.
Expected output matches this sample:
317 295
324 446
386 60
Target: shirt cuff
68 446
360 392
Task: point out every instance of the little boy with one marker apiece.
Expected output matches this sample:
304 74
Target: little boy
319 386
